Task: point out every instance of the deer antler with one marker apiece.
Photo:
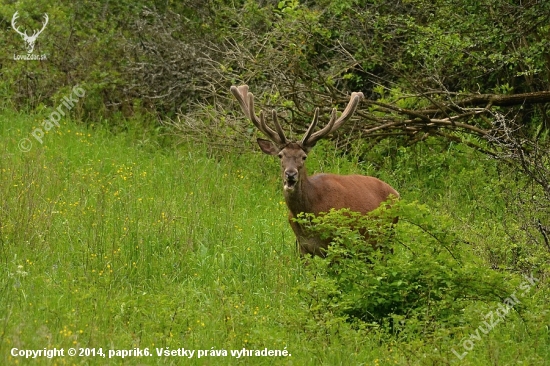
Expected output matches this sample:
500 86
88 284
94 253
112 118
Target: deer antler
36 33
309 139
13 19
246 100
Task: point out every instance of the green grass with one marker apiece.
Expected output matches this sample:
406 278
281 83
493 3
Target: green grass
117 242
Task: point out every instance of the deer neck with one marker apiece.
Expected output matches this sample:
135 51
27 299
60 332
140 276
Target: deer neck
298 200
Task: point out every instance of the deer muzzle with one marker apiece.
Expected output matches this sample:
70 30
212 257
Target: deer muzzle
290 179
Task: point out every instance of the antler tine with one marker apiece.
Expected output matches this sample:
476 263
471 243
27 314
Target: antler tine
334 123
355 98
13 19
323 132
43 26
240 93
278 128
312 126
268 131
246 100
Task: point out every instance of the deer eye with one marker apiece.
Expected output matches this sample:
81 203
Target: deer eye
280 155
304 157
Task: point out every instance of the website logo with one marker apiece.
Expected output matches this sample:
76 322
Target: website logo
29 40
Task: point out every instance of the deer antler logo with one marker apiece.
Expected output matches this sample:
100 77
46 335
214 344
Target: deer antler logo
30 40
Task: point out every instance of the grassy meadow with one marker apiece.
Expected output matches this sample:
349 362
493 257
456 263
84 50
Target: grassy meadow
125 241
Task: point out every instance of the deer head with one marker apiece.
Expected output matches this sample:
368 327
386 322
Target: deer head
29 40
291 153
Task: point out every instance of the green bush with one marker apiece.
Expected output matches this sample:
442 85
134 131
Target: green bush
419 275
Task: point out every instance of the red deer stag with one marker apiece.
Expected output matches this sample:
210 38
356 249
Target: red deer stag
320 192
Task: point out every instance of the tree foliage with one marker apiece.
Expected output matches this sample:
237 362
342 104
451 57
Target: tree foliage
417 61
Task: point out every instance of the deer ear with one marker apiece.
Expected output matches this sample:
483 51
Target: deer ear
268 147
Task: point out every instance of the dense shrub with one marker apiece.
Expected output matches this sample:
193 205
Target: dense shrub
421 275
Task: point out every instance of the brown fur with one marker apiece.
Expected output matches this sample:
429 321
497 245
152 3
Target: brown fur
323 192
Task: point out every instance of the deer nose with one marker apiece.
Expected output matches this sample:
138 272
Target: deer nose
291 175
